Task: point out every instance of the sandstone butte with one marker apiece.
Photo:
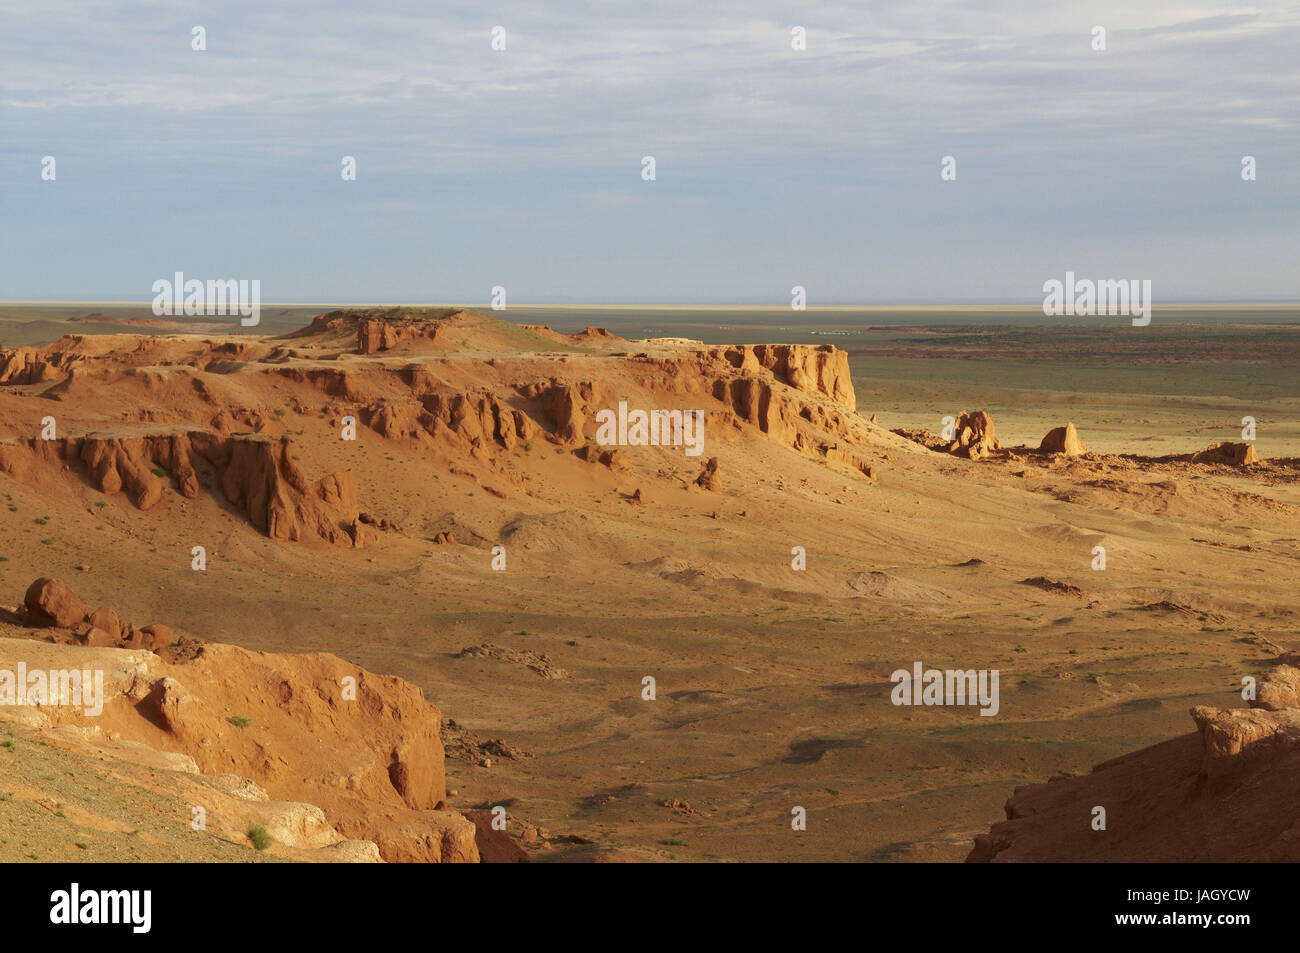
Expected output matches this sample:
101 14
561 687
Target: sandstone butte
798 396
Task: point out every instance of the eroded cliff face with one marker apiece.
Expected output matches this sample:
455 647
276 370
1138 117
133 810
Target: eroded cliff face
257 474
29 365
813 370
205 421
1224 793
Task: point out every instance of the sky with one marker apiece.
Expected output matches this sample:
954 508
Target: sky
774 167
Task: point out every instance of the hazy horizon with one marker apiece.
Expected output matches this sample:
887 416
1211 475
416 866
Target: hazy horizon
932 304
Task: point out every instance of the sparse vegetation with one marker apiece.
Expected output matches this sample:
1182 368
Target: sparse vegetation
258 837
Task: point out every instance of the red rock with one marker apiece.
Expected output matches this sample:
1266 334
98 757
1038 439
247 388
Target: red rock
975 435
498 847
709 478
106 619
50 602
1231 454
1279 689
154 637
1063 440
1221 793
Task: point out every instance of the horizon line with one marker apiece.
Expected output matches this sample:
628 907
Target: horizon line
486 306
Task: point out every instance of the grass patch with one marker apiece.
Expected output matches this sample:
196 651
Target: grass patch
258 837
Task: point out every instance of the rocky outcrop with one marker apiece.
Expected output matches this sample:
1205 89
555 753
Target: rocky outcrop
753 401
261 477
469 422
709 479
759 384
346 383
1233 740
1225 792
312 728
28 365
1229 454
820 370
257 474
567 405
58 359
479 419
379 334
131 465
438 837
974 436
1063 440
380 329
51 604
613 459
1280 688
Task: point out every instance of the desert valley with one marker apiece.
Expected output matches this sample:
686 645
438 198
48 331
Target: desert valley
375 588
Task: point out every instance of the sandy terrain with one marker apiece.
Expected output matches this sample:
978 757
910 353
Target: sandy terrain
772 684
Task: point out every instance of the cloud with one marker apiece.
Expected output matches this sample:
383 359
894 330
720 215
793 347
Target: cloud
715 92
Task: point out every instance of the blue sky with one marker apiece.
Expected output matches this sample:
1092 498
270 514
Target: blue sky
774 167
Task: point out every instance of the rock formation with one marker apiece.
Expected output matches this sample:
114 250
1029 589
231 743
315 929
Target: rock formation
1222 793
813 370
709 478
1230 454
366 749
257 474
51 604
1063 440
974 436
382 329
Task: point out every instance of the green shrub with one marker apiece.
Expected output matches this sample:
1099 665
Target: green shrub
258 836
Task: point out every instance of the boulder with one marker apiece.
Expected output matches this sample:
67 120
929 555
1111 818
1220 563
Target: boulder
50 602
106 619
